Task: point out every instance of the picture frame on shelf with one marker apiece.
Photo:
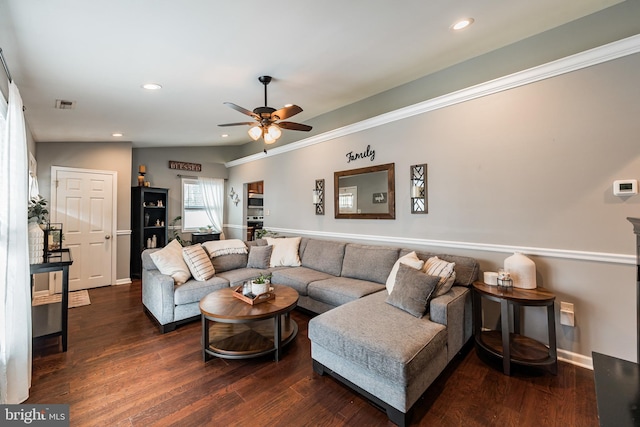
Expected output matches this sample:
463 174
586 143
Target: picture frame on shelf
53 237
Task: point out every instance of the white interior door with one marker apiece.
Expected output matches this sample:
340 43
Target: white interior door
84 202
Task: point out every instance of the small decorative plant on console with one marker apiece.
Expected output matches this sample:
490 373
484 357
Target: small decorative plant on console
263 232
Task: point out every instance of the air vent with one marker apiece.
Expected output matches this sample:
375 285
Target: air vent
62 104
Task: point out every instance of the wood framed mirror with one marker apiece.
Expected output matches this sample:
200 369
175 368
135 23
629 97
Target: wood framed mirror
365 193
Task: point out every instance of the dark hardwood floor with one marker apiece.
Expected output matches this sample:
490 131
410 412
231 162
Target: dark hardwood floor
120 371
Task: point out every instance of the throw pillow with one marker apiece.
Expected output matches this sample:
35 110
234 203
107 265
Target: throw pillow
443 269
412 290
284 252
198 262
259 256
225 247
170 262
410 259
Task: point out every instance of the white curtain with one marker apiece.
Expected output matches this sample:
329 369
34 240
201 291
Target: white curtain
34 191
15 292
213 197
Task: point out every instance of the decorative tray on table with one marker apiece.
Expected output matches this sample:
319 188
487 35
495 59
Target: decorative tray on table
254 299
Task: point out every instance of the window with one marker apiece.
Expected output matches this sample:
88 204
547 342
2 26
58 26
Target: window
348 199
194 214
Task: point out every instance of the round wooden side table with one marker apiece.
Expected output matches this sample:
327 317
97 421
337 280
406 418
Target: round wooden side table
513 347
234 329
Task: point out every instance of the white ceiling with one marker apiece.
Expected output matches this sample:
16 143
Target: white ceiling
323 55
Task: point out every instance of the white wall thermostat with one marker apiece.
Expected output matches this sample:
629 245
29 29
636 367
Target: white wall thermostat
625 187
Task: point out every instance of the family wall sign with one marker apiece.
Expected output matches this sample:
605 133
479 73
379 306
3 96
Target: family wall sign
368 153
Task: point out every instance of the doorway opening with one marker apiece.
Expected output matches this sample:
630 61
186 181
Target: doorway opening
255 208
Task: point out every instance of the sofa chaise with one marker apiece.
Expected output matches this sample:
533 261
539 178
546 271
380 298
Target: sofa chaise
388 354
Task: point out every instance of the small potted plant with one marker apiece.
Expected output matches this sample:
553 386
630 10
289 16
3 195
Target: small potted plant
261 284
38 210
263 232
207 229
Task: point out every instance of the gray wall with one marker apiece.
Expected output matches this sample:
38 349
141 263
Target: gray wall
156 161
529 167
109 156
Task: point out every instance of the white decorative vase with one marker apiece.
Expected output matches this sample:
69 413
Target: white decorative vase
259 288
36 243
522 270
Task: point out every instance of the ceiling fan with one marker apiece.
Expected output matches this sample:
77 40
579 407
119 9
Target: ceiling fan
268 119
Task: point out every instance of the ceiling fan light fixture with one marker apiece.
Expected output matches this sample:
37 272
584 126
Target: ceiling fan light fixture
268 139
268 126
255 132
274 131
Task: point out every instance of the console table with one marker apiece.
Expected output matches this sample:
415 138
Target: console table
515 347
50 320
204 237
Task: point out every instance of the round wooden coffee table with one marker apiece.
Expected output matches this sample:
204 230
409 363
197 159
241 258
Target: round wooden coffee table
234 329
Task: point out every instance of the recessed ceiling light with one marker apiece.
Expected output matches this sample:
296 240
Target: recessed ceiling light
288 105
116 134
224 135
462 24
151 86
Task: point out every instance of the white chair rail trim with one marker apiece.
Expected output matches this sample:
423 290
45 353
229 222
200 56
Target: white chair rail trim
606 257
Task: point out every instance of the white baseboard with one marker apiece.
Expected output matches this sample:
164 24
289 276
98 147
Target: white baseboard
575 359
126 281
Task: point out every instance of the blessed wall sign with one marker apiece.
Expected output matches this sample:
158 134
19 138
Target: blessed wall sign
185 166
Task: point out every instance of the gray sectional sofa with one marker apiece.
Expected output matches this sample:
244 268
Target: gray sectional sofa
381 351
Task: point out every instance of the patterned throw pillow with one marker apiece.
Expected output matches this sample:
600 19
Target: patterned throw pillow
198 262
443 269
170 262
412 290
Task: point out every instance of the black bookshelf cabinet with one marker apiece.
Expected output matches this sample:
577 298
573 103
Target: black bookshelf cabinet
148 219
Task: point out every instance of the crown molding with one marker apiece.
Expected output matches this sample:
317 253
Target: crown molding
588 58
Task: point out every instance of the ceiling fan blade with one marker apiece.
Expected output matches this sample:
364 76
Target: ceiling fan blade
294 126
238 124
242 110
286 112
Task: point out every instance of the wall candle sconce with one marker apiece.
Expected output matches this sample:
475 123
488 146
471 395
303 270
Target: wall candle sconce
419 189
318 196
142 169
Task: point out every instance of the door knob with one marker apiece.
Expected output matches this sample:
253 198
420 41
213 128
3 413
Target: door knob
107 237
